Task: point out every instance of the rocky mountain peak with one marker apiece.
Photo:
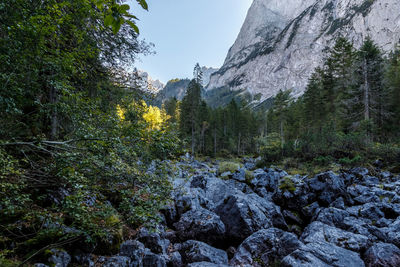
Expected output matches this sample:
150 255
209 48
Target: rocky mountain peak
281 42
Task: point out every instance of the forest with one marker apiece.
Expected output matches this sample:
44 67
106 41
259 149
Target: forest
349 114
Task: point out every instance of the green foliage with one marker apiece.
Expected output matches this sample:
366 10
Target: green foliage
286 184
228 166
71 169
345 114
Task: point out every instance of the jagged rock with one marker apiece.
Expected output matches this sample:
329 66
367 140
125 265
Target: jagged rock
312 210
206 264
134 250
320 232
265 247
244 215
333 217
175 259
293 193
84 259
268 180
200 224
322 254
196 251
153 260
328 187
240 175
59 258
338 203
153 241
382 255
116 261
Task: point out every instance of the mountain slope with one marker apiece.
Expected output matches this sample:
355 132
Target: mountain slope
281 42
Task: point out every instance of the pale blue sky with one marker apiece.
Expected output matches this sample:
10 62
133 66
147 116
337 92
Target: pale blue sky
186 32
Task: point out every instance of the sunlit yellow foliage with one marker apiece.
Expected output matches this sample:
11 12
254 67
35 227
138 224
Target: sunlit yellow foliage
155 117
152 116
120 113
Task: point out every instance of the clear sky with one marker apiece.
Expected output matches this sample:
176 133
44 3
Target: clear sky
186 32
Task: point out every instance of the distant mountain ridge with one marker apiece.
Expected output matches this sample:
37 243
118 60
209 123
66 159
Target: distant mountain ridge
281 42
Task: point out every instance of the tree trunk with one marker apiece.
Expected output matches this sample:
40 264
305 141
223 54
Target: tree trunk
215 142
193 144
366 92
238 148
53 116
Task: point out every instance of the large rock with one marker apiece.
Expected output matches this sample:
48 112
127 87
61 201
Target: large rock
133 249
320 232
153 241
196 251
244 215
328 186
200 224
116 261
382 255
153 260
59 258
322 254
265 247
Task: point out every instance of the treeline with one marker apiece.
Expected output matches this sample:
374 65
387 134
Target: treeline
349 112
230 130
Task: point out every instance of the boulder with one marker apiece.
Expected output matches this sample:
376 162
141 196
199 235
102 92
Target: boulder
265 247
206 264
153 260
196 251
59 258
333 217
320 232
200 224
244 215
116 261
328 187
133 249
322 254
382 255
175 259
153 241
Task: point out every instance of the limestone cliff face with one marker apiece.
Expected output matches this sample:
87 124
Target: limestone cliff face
282 41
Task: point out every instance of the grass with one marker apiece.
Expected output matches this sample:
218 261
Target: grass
286 184
228 166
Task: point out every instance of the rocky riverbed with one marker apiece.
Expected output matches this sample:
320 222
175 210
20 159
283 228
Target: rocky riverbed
265 217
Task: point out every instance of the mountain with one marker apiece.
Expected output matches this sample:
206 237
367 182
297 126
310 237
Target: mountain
177 87
282 42
174 88
207 72
147 83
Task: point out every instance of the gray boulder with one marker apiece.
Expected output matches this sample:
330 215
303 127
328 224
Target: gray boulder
265 247
206 264
322 254
133 249
200 224
320 232
382 255
153 241
244 215
116 261
59 258
153 260
196 251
